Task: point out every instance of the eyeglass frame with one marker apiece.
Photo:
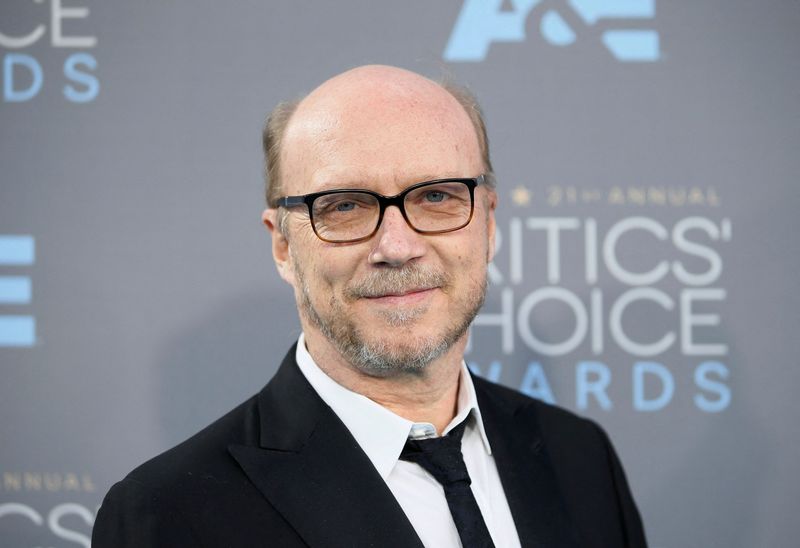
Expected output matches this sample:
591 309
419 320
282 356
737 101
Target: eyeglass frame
398 200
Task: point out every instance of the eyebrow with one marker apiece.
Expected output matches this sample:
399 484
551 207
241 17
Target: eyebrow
336 184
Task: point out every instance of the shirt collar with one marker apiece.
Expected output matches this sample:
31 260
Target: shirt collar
380 432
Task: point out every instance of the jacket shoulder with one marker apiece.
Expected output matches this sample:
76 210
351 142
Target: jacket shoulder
204 452
590 476
552 420
193 491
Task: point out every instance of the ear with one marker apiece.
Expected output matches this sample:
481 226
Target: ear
491 205
280 245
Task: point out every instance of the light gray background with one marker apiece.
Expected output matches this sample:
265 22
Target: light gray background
158 307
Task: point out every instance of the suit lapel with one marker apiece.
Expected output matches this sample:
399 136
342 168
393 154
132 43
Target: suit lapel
314 473
525 471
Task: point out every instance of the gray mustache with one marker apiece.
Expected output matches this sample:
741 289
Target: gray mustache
392 281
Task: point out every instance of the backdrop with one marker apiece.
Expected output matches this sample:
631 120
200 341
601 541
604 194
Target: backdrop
646 154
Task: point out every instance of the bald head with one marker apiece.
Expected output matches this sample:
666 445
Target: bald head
371 86
374 109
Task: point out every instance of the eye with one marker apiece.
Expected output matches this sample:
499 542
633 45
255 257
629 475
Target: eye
345 206
435 196
338 206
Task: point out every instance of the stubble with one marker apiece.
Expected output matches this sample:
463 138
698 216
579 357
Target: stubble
404 351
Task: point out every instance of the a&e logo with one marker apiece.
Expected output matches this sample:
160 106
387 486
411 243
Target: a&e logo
561 23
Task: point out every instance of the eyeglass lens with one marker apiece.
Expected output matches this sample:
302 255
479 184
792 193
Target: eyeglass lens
438 207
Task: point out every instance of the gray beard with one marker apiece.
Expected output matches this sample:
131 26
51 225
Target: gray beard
376 358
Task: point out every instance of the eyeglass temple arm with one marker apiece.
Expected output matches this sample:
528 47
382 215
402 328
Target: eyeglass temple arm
291 201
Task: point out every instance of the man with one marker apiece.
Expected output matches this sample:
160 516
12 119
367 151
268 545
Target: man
381 208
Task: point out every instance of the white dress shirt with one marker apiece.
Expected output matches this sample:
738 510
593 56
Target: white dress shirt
382 435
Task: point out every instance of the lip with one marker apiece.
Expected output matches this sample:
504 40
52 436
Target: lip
412 296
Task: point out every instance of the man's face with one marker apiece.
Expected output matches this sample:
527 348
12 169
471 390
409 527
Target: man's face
399 300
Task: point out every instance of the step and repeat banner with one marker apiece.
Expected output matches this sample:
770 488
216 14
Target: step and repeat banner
647 158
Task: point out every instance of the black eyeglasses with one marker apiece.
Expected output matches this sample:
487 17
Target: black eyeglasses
354 215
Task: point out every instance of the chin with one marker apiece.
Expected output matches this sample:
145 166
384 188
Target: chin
402 317
402 354
399 350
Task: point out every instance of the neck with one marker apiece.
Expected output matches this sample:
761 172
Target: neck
430 395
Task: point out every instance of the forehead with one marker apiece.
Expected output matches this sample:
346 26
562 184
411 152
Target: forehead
380 132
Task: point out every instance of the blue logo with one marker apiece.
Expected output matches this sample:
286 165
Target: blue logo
16 330
484 22
23 75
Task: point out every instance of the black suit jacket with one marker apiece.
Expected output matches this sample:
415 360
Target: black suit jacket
282 470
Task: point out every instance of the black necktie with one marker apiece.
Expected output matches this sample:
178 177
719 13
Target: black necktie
443 459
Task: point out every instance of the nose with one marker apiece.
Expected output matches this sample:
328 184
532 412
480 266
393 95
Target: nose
396 243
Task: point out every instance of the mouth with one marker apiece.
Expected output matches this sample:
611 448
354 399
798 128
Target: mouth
412 286
403 297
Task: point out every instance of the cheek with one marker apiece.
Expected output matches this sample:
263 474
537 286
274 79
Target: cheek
476 257
325 271
466 263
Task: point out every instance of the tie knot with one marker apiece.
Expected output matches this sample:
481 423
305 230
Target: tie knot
441 457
